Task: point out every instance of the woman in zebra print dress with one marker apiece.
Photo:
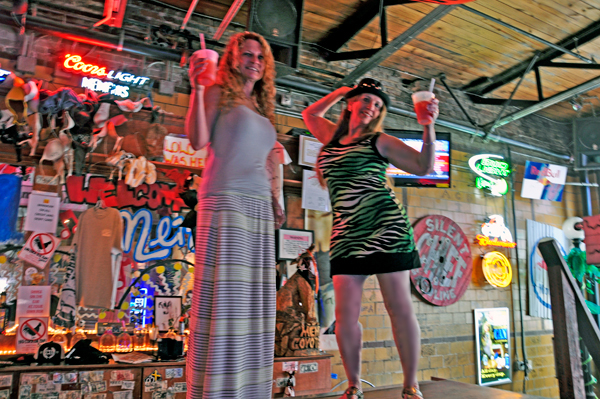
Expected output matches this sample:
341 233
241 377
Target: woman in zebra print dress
371 233
232 325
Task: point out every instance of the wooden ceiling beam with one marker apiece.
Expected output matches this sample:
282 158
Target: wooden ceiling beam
568 65
393 46
486 85
356 22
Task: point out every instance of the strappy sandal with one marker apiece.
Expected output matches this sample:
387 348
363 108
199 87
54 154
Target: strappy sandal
353 391
412 393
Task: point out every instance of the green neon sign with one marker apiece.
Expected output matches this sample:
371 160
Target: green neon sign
493 167
498 187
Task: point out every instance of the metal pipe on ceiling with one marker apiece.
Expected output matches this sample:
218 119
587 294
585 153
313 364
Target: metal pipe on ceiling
527 34
133 46
562 96
313 88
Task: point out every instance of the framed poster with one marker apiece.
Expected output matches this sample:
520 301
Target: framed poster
167 311
309 151
292 242
492 343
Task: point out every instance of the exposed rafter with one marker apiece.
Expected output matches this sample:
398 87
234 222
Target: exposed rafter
486 85
565 95
393 46
356 22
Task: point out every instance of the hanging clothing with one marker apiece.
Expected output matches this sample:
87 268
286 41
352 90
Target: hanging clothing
98 245
232 331
371 233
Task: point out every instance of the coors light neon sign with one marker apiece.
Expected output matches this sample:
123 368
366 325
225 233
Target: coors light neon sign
74 63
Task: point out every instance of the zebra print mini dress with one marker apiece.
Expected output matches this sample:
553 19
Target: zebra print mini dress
371 233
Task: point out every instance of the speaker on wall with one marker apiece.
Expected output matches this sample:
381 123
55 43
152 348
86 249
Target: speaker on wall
280 22
586 136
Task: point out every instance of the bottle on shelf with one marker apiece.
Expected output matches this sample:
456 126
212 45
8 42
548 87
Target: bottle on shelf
60 337
182 335
124 342
77 335
138 339
108 342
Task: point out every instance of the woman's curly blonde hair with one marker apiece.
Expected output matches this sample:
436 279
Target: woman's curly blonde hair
229 76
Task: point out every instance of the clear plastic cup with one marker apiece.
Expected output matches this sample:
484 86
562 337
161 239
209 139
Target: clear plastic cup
421 100
208 77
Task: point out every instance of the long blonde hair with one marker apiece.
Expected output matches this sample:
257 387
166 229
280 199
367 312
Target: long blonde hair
343 128
229 76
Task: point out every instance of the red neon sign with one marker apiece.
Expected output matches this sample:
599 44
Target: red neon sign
74 62
485 241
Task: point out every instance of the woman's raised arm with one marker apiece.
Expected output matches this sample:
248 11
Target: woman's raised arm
314 115
203 107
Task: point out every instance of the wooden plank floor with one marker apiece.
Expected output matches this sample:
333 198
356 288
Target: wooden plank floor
443 389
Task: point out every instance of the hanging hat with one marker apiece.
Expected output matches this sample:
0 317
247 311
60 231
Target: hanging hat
15 102
371 86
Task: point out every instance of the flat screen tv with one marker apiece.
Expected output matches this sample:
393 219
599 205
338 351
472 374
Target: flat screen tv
440 177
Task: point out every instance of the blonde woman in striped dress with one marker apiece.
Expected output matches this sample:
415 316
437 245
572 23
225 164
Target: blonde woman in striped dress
233 307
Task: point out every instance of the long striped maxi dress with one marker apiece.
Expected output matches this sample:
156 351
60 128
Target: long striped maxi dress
232 329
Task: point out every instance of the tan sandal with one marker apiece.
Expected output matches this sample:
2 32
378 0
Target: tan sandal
412 393
352 391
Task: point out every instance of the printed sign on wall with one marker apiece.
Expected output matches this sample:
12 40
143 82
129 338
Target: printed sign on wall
178 151
42 213
446 260
544 181
39 248
32 332
492 332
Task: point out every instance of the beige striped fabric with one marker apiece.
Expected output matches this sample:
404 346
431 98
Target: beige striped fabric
232 328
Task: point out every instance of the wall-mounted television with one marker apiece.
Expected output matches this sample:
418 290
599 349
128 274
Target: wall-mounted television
440 177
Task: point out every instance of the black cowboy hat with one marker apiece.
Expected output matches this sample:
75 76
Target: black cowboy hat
371 86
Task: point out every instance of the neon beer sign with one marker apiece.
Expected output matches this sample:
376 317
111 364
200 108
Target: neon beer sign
495 233
99 79
74 63
496 269
490 170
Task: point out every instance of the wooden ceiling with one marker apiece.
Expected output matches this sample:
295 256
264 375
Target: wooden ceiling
478 56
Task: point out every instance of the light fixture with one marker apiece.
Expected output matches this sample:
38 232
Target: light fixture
573 229
576 106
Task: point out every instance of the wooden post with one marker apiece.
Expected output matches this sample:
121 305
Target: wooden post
567 353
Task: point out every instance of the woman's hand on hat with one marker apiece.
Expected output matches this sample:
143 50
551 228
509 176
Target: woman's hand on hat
434 108
342 91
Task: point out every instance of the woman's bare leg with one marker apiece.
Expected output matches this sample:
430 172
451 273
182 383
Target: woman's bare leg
395 288
348 331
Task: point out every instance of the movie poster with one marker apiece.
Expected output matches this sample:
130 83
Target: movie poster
492 341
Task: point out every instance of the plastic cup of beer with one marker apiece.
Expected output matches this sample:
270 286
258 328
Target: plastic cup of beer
209 75
421 100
